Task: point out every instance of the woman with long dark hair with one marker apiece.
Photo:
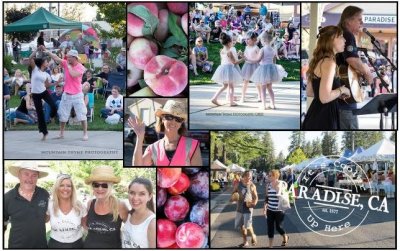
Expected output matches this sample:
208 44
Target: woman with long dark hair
324 84
40 79
139 230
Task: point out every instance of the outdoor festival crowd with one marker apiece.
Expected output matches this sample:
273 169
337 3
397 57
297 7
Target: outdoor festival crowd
262 35
56 79
103 221
277 183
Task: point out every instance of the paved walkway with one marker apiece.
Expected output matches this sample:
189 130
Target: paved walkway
377 231
27 145
205 115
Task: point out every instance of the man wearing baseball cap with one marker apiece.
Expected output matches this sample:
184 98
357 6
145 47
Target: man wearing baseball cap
25 207
73 95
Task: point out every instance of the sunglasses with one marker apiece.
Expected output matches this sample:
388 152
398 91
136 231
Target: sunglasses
97 185
63 176
171 117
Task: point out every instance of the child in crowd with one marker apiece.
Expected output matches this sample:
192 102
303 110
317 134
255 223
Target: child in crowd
250 64
267 72
227 74
18 80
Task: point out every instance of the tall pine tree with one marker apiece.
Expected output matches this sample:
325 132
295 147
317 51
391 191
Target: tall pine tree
364 139
316 148
297 139
329 145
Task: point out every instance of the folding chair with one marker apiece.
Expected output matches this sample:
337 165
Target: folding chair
91 106
115 78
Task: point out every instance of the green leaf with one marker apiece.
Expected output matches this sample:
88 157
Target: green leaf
145 92
172 40
176 29
150 21
142 83
169 52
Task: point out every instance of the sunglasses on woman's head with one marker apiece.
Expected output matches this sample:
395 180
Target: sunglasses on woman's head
97 185
63 176
171 117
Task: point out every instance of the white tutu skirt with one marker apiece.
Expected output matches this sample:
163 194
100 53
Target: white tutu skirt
227 74
248 69
268 73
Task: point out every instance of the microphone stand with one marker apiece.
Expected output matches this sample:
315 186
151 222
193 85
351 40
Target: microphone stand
383 82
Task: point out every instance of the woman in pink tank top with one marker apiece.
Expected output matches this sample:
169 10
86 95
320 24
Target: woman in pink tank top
173 149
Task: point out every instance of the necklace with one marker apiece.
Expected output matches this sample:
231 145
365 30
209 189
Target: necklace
25 194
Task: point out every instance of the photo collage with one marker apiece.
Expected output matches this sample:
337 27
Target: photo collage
199 125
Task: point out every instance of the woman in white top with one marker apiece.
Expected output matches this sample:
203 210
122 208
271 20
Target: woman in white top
139 231
67 215
18 80
39 81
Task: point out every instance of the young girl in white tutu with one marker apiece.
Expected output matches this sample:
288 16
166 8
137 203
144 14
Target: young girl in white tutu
268 72
226 74
250 65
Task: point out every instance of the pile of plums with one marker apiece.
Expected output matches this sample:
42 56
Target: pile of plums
157 42
182 207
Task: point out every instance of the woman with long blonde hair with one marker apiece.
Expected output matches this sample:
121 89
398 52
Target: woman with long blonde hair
67 215
323 81
105 212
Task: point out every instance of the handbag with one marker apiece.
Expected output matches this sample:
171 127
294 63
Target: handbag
283 197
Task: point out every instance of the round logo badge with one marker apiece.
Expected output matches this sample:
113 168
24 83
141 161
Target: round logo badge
331 198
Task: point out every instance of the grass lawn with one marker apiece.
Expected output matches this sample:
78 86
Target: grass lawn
291 67
98 124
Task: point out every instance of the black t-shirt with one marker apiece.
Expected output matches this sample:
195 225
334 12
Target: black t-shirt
27 218
350 51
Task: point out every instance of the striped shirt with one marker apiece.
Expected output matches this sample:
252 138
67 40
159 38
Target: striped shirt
272 199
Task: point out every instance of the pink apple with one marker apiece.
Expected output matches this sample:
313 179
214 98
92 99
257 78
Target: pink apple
190 235
135 24
167 177
166 76
141 51
162 28
178 8
130 39
176 208
184 23
134 74
180 186
166 230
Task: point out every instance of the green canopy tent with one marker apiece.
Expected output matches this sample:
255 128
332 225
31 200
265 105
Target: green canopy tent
41 20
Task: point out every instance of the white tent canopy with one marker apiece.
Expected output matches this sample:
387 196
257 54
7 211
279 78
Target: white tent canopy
287 167
384 150
217 165
236 168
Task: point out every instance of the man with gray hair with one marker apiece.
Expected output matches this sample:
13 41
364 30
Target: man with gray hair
25 207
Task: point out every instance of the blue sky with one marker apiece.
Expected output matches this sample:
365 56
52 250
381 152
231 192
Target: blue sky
281 139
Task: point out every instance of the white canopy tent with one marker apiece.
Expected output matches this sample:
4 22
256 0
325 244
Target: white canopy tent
218 166
287 167
236 168
384 150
